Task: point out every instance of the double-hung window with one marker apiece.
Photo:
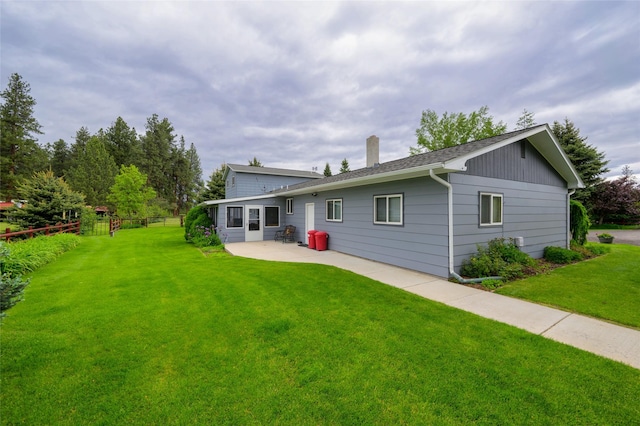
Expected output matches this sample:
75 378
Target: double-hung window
234 217
490 209
387 209
289 205
334 210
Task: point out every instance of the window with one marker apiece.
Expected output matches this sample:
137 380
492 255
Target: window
388 209
334 210
234 217
289 205
490 209
272 216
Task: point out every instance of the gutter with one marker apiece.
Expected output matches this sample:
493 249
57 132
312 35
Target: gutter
569 194
452 272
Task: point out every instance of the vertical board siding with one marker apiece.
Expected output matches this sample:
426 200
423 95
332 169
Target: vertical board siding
507 163
538 213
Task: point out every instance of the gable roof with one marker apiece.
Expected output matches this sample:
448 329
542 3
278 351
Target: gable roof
447 160
238 168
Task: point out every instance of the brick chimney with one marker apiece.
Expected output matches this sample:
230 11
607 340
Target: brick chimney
373 151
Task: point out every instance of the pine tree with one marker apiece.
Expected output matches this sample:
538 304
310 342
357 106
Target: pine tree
327 170
215 188
94 172
344 166
255 162
589 163
157 145
50 200
60 157
20 155
526 120
122 143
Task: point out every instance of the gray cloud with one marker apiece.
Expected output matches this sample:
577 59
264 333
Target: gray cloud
301 84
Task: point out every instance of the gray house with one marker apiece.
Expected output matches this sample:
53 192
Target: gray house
425 212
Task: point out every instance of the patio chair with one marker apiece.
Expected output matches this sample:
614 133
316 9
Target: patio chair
287 235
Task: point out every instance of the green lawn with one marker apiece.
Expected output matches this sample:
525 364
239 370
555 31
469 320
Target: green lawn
142 328
606 287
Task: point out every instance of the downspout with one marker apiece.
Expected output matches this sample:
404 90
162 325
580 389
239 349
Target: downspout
573 191
452 272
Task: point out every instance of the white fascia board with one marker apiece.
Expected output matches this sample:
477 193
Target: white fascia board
237 200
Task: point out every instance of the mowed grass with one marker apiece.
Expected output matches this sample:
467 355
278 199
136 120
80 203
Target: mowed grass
144 329
606 287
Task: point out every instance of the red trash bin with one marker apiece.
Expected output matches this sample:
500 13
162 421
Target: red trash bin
322 240
312 238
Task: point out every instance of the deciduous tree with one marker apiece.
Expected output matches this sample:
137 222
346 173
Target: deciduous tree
617 201
130 194
454 129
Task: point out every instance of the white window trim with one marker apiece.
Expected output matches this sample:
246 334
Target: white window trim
326 213
265 216
387 197
491 198
226 217
289 205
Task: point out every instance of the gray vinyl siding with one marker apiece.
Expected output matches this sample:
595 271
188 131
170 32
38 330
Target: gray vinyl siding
507 163
235 235
420 243
536 212
250 184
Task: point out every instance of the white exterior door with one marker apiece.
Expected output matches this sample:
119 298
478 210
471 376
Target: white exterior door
253 224
309 220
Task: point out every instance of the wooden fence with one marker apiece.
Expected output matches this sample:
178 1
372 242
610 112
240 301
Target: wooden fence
59 228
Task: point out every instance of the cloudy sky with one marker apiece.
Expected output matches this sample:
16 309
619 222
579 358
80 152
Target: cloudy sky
299 84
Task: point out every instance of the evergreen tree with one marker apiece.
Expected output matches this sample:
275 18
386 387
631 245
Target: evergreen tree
77 149
526 120
122 143
20 155
215 188
50 200
196 185
255 162
157 145
187 176
327 170
60 157
454 129
344 166
94 172
589 163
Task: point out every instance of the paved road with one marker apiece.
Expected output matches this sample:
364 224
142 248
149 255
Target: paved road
621 236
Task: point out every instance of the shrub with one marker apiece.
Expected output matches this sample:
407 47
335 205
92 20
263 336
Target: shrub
11 285
88 219
204 236
197 216
561 255
501 258
491 284
28 255
598 249
579 222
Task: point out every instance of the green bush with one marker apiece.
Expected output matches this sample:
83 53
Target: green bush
11 285
579 222
197 216
205 236
88 219
501 258
28 255
492 284
561 255
598 249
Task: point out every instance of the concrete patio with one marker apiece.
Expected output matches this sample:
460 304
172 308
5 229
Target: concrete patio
608 340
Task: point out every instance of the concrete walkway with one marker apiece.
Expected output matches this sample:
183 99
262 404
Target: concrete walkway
600 337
